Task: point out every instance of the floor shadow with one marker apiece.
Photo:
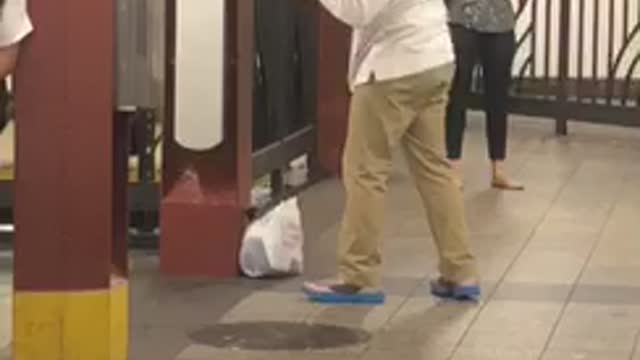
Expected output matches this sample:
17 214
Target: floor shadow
278 336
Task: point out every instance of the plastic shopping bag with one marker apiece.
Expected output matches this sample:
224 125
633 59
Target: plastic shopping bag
272 245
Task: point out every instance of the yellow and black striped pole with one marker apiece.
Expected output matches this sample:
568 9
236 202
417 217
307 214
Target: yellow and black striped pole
70 299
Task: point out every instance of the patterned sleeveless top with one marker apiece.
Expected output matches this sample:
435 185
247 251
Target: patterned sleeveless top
491 16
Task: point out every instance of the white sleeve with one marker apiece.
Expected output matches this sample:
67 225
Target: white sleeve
15 24
355 13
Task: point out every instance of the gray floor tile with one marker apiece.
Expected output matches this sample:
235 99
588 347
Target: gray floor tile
547 266
607 294
404 286
157 343
618 253
517 316
5 321
510 329
411 352
426 325
319 355
6 287
590 327
361 317
499 352
611 276
419 311
592 339
533 292
198 352
270 306
586 355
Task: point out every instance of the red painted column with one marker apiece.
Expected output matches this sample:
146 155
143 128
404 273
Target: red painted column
70 246
205 194
334 41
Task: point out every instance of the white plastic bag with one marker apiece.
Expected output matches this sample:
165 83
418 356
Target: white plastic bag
272 245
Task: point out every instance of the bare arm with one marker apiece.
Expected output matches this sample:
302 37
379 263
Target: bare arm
355 13
15 25
8 60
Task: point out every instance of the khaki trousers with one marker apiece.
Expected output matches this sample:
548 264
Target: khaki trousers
409 112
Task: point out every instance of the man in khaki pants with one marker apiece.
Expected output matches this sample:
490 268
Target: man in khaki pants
399 72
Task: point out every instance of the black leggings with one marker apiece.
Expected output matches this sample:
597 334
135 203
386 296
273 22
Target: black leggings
495 52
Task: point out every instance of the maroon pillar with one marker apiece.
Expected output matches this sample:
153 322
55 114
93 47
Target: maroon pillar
334 39
70 247
65 196
205 194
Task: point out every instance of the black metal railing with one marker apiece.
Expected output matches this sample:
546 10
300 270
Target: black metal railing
284 89
577 59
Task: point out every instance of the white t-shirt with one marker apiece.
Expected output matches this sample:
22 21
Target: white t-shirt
15 24
394 38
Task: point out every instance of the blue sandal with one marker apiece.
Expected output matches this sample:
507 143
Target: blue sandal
342 294
448 290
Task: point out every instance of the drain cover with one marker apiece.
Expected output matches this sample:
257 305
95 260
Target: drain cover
278 336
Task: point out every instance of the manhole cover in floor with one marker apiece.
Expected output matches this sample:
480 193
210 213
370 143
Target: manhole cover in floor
278 336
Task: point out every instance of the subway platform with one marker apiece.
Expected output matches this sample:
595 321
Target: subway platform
560 267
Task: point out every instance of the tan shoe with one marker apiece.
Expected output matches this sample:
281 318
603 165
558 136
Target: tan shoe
501 182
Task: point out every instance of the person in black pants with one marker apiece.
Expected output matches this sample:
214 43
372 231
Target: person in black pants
483 33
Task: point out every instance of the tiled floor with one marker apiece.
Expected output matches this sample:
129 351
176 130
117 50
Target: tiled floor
560 264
